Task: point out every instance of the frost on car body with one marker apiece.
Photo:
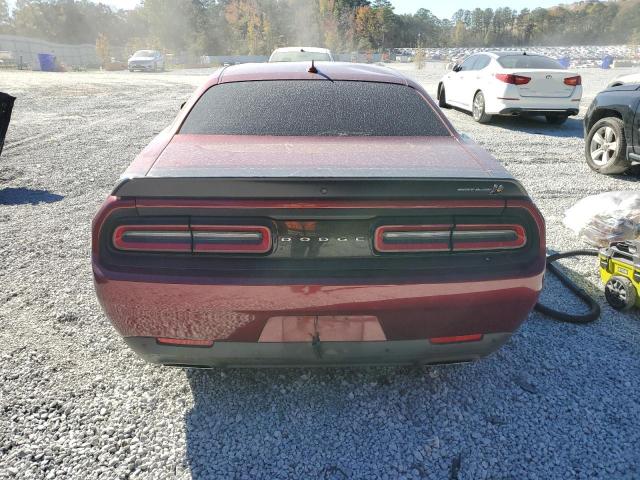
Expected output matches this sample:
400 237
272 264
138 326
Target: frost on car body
327 218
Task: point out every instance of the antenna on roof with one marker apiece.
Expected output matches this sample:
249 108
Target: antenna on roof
312 68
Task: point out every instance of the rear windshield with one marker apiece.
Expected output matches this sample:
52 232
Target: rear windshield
528 61
313 107
299 57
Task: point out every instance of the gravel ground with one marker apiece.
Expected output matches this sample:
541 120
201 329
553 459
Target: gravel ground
558 401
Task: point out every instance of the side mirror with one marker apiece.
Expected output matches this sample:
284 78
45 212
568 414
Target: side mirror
457 67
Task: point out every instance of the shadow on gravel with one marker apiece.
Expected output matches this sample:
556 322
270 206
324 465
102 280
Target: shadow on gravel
572 128
631 175
22 196
305 423
539 126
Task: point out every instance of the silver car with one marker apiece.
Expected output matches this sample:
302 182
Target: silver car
146 61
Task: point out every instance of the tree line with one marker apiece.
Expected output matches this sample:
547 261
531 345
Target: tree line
218 27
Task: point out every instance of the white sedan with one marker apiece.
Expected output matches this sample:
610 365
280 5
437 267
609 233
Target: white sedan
301 54
511 83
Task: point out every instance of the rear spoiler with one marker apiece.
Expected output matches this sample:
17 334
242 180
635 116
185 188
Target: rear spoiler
326 188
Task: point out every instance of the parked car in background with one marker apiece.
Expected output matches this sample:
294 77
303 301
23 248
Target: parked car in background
6 106
624 79
511 83
301 54
146 61
611 128
241 236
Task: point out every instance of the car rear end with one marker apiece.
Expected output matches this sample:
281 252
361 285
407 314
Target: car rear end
418 249
541 90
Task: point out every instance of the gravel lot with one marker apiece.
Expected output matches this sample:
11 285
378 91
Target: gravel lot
558 401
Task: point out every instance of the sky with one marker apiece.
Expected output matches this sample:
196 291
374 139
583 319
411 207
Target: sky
442 9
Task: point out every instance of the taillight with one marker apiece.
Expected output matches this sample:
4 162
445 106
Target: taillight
488 237
193 239
513 79
573 81
445 238
231 239
413 238
153 238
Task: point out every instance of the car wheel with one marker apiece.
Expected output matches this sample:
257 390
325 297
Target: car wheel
620 293
556 119
479 114
442 99
606 147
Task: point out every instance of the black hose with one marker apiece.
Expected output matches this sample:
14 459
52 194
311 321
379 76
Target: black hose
594 308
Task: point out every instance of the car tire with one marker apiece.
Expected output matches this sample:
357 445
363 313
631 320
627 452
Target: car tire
606 147
620 293
442 99
556 119
478 109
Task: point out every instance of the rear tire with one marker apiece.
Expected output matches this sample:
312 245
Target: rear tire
606 147
620 293
478 109
442 99
556 119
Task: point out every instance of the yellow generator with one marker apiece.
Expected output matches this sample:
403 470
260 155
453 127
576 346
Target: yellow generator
620 272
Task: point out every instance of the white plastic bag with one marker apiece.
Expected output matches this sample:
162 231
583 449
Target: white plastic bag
605 218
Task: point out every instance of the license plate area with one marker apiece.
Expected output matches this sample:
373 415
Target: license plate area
325 328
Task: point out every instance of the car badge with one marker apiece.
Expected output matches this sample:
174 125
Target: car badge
496 189
549 77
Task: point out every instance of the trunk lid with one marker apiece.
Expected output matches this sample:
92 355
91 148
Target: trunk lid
327 167
328 157
543 83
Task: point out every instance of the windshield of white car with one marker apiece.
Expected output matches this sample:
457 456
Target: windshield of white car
313 108
300 57
144 53
529 61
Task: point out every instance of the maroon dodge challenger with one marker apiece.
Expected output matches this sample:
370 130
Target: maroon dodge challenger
315 215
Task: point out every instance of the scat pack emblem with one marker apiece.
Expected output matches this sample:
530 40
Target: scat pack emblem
497 188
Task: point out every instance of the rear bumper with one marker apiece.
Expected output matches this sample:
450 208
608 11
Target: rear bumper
235 317
142 68
538 111
245 354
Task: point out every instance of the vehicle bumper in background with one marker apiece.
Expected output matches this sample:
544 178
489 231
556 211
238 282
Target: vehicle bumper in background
538 111
143 68
238 354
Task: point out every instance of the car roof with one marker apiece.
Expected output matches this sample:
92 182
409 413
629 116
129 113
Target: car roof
247 72
507 53
299 49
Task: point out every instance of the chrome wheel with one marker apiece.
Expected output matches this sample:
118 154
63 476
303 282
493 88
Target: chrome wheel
478 106
604 145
